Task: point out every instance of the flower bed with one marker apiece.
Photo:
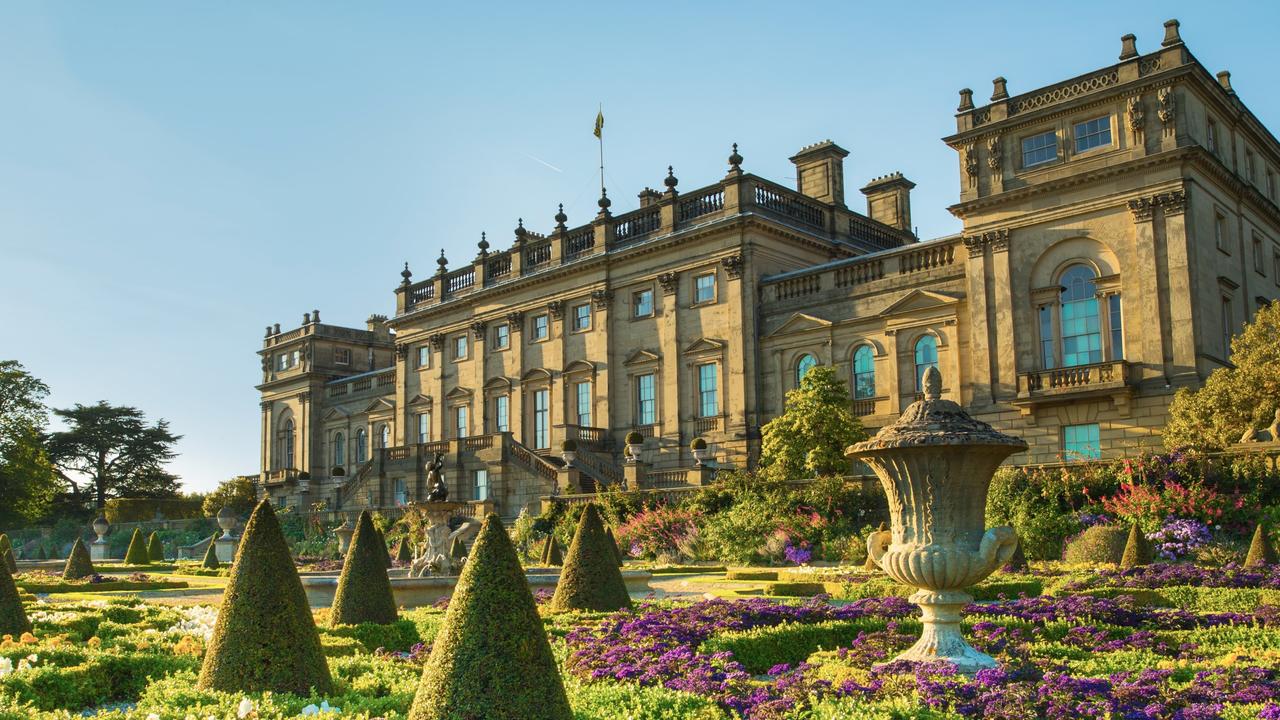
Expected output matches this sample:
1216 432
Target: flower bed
46 583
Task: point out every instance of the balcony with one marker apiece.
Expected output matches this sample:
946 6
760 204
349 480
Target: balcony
1043 387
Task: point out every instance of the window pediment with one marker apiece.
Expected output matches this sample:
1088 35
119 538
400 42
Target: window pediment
642 357
801 322
458 393
919 301
421 401
704 346
334 414
380 405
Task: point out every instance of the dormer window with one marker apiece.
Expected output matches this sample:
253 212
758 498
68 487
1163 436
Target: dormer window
1040 149
1093 133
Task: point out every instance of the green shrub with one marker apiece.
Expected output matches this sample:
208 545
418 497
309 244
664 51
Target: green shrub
400 635
590 579
613 543
1098 544
211 561
364 591
265 637
1137 549
116 583
759 649
102 678
404 553
609 701
122 510
137 553
551 553
10 562
794 589
78 563
1038 504
480 668
1261 551
13 619
752 575
155 548
383 550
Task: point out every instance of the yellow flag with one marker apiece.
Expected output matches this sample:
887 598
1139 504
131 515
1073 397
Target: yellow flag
599 123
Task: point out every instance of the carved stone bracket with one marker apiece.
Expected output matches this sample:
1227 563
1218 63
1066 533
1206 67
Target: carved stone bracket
1173 202
556 308
971 163
1137 118
732 266
477 329
994 155
668 281
514 318
402 351
1142 209
437 341
600 299
1167 113
975 245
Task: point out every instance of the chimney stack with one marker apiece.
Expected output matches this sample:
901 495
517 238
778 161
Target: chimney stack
820 172
889 200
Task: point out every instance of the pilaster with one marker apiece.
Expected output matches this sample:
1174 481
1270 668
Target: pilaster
980 338
1146 282
1173 207
1005 384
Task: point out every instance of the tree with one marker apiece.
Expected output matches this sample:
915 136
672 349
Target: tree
28 483
1236 398
238 493
116 450
809 438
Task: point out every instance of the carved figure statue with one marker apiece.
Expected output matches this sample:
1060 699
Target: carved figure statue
1269 434
437 491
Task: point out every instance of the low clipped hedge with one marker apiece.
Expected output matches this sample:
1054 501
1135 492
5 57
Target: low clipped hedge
100 679
761 648
794 589
751 575
1195 599
1098 544
686 569
883 586
400 635
65 586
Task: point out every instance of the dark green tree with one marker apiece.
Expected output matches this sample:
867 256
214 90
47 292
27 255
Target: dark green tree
1137 549
1261 551
115 450
591 579
265 637
480 668
817 424
404 553
551 552
28 483
78 563
364 590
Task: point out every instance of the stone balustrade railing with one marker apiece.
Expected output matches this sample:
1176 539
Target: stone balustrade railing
1056 381
882 266
375 382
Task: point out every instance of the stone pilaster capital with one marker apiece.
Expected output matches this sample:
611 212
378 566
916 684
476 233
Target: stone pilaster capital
668 281
1141 208
732 266
1173 202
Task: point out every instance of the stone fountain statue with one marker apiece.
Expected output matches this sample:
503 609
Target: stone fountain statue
935 464
433 556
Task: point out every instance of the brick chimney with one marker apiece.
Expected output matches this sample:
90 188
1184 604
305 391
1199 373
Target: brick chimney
820 171
889 200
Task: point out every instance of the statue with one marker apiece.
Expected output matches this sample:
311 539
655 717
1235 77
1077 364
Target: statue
437 491
1269 434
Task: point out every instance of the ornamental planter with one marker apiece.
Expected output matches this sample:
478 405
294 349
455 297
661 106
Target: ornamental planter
935 464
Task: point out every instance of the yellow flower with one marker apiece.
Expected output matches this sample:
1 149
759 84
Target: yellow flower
29 639
188 646
95 642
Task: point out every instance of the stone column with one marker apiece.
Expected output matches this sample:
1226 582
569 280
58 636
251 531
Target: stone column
1140 298
894 370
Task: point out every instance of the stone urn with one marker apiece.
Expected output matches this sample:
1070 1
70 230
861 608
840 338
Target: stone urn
227 521
98 548
344 533
935 464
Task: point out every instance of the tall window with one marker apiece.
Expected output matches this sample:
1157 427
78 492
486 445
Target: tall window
926 357
1220 233
502 336
1117 327
424 428
1048 353
286 444
1081 442
864 373
339 450
646 401
401 493
1211 135
502 413
1093 133
1259 264
708 391
704 288
460 347
541 327
1039 149
1081 326
541 419
582 395
424 356
460 421
582 317
480 484
362 445
384 437
806 363
642 304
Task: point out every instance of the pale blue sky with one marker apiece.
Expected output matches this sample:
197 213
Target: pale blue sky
175 176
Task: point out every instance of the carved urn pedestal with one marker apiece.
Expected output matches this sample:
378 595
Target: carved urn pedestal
935 464
433 556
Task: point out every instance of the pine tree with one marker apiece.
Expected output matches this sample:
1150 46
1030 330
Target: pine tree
265 637
364 591
211 561
137 553
591 579
480 668
13 619
1261 551
155 548
79 565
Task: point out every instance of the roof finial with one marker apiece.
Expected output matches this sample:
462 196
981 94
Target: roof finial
520 231
932 383
671 180
443 262
604 202
483 244
405 274
561 218
735 160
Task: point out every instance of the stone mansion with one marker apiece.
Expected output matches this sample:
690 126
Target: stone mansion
1118 228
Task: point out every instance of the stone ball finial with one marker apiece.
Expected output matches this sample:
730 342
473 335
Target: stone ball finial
671 180
735 160
604 202
932 382
405 274
484 242
442 262
561 218
520 231
1171 34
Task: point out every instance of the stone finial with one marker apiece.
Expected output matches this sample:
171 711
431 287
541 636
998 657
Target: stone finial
561 218
442 263
405 275
1171 34
483 244
306 318
276 330
268 331
315 316
1224 79
1128 46
735 160
966 100
932 383
999 91
671 180
520 231
604 202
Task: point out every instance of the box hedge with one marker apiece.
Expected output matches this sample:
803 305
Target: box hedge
155 548
1098 544
137 553
364 590
211 561
1261 551
13 619
79 565
591 579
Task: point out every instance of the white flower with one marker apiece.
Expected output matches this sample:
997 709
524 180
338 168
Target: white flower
153 716
246 706
324 707
6 666
33 658
310 710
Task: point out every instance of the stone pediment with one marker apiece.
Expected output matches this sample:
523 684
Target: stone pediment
458 393
641 357
918 300
380 405
801 322
334 414
579 366
498 383
421 401
704 345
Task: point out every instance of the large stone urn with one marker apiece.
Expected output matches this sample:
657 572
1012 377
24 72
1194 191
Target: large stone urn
936 464
98 548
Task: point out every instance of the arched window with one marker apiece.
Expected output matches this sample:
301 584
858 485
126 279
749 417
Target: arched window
287 444
864 373
384 437
926 357
1081 325
806 363
339 450
362 445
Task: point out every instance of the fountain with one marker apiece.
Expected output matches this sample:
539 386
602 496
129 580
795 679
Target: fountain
935 464
433 556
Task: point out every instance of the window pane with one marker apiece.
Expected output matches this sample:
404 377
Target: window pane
460 346
926 357
708 395
643 303
1117 327
424 427
704 288
583 394
1081 324
1081 442
646 401
424 356
501 335
1093 133
1046 337
339 450
582 317
805 364
864 373
540 325
1039 149
541 419
480 481
460 421
502 409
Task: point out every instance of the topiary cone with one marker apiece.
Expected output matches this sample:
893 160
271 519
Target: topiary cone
1137 551
137 553
211 561
1261 551
364 591
6 550
404 553
590 579
551 553
265 637
78 563
382 545
613 542
1018 562
481 667
155 548
13 619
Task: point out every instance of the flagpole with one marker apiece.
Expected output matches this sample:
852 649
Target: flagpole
600 137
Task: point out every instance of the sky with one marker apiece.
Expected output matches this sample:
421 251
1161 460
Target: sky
175 176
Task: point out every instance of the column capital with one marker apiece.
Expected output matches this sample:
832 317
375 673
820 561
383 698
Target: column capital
668 281
732 266
1173 202
1142 209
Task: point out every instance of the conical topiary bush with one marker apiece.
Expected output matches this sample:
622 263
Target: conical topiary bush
155 548
265 637
551 553
590 579
364 591
1137 551
78 563
382 549
13 619
1261 551
1018 562
210 561
404 553
481 667
613 543
137 553
6 552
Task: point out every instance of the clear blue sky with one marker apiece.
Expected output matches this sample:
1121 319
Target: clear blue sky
175 176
